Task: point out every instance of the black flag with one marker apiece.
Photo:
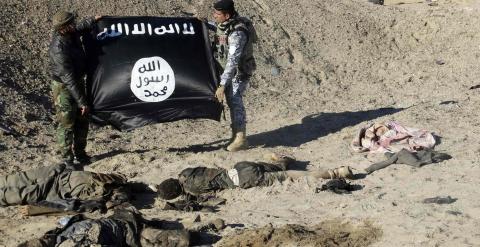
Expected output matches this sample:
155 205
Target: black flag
146 70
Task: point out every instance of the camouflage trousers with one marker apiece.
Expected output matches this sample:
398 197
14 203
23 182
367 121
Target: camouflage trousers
53 183
29 186
234 95
72 129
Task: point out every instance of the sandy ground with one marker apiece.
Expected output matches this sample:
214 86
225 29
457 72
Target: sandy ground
326 68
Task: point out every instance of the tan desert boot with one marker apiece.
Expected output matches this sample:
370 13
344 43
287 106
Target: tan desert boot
341 172
234 132
239 143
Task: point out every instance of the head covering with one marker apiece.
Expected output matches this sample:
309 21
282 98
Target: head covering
62 18
225 5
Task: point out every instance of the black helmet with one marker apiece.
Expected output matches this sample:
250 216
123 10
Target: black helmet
169 189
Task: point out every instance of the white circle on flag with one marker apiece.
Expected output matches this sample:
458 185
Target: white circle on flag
152 79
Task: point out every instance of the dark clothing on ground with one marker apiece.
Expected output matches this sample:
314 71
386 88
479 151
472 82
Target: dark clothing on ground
58 185
416 159
200 180
125 227
338 186
253 174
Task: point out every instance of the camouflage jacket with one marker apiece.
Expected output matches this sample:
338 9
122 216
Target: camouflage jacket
234 48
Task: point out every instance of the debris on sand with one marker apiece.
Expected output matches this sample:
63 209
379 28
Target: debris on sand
440 200
328 233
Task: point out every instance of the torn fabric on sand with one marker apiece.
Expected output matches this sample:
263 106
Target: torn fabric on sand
391 136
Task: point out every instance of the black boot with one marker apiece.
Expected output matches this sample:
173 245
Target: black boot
70 165
83 159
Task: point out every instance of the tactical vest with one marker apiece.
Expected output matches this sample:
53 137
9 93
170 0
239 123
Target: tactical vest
247 62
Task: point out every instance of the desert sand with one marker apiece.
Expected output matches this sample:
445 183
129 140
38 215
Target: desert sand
325 69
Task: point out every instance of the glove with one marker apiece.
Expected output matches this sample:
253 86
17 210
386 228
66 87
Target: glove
220 93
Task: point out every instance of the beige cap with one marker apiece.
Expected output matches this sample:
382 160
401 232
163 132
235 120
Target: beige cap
62 18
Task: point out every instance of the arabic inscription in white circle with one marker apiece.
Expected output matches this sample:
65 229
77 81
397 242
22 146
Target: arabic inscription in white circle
152 79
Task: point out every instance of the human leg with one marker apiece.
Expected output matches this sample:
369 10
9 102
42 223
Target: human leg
24 195
29 177
27 186
80 139
234 95
65 111
313 174
340 172
253 174
270 178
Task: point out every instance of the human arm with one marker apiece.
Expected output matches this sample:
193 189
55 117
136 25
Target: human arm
382 164
86 24
210 25
65 71
237 41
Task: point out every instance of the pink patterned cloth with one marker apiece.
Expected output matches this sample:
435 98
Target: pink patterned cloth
391 136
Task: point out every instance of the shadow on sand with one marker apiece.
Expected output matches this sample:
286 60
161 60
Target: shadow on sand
315 126
113 153
311 128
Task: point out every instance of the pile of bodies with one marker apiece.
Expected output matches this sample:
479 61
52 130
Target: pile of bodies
58 189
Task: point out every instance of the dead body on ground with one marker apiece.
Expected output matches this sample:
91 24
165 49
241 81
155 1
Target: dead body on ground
57 189
126 227
196 181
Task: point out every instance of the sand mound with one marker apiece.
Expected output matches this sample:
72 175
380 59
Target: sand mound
328 233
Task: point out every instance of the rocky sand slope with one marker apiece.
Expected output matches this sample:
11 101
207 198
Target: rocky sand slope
325 69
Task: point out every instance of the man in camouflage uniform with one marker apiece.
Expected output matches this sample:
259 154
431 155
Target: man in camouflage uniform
234 38
200 180
68 68
62 189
